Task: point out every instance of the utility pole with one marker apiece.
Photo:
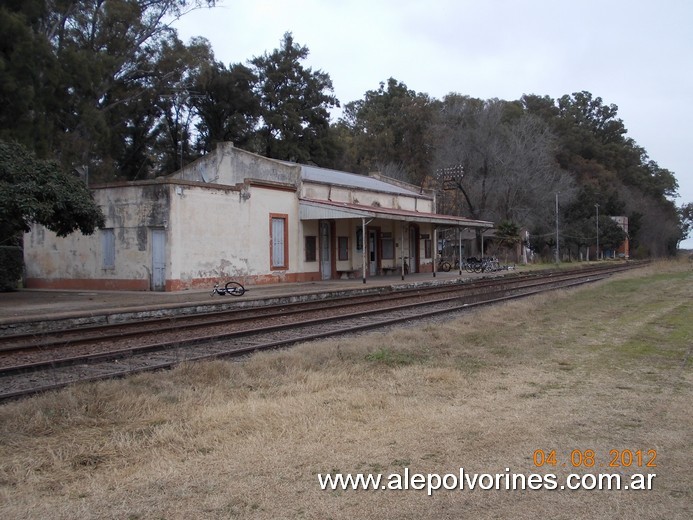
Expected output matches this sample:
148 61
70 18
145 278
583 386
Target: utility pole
597 206
557 254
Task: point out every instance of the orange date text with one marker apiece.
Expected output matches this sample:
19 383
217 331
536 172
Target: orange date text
589 459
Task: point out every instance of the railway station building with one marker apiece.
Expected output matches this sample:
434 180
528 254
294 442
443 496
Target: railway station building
236 215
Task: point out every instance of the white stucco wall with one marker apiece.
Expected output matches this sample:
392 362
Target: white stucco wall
46 255
215 218
231 166
206 233
132 211
320 191
229 236
212 233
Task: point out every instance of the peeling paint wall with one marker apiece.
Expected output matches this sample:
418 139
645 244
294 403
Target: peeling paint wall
219 234
320 191
211 234
79 260
231 166
391 229
213 220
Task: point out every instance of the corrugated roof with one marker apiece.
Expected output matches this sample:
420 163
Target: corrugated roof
351 180
311 209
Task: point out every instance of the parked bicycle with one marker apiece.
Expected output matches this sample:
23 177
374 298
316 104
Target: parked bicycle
471 265
485 265
446 266
231 288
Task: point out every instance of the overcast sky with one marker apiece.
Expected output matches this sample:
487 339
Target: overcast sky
636 54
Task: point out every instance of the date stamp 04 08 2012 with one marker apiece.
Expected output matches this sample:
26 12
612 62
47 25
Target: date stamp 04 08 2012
589 459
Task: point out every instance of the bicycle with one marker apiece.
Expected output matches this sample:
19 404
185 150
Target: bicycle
444 265
489 265
231 288
472 265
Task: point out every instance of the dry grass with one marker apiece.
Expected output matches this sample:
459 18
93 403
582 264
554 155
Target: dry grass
604 367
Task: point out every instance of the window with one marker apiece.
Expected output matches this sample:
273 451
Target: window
279 242
387 243
343 244
311 249
108 248
359 239
427 248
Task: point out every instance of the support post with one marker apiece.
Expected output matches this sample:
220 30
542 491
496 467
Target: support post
597 206
435 250
459 248
558 256
363 248
401 247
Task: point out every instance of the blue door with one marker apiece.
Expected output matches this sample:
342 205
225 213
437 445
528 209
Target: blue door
158 259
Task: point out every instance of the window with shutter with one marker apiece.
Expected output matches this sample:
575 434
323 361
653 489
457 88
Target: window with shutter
279 242
108 248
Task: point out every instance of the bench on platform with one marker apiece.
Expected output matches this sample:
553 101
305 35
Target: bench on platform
347 274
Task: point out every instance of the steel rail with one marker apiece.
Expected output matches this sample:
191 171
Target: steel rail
120 353
58 347
119 370
99 333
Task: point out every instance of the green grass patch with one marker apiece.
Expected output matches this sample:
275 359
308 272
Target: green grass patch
668 337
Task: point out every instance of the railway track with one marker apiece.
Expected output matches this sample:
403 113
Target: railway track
31 363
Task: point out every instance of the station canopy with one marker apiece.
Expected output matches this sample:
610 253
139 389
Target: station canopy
310 209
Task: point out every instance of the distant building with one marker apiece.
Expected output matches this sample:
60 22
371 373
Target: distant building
623 250
236 215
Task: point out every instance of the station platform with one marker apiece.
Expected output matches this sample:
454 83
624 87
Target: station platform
33 305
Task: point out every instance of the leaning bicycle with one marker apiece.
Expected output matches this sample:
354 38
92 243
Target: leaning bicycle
444 265
231 288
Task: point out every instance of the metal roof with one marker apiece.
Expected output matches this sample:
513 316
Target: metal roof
310 209
352 180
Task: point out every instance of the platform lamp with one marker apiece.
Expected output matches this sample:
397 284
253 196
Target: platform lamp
448 178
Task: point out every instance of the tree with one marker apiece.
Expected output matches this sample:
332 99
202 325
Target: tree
592 145
226 105
470 134
531 176
507 236
179 67
80 70
508 159
38 191
686 219
580 234
29 78
294 106
611 236
389 129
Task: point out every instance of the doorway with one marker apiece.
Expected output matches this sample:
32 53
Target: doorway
413 248
372 252
325 257
158 260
